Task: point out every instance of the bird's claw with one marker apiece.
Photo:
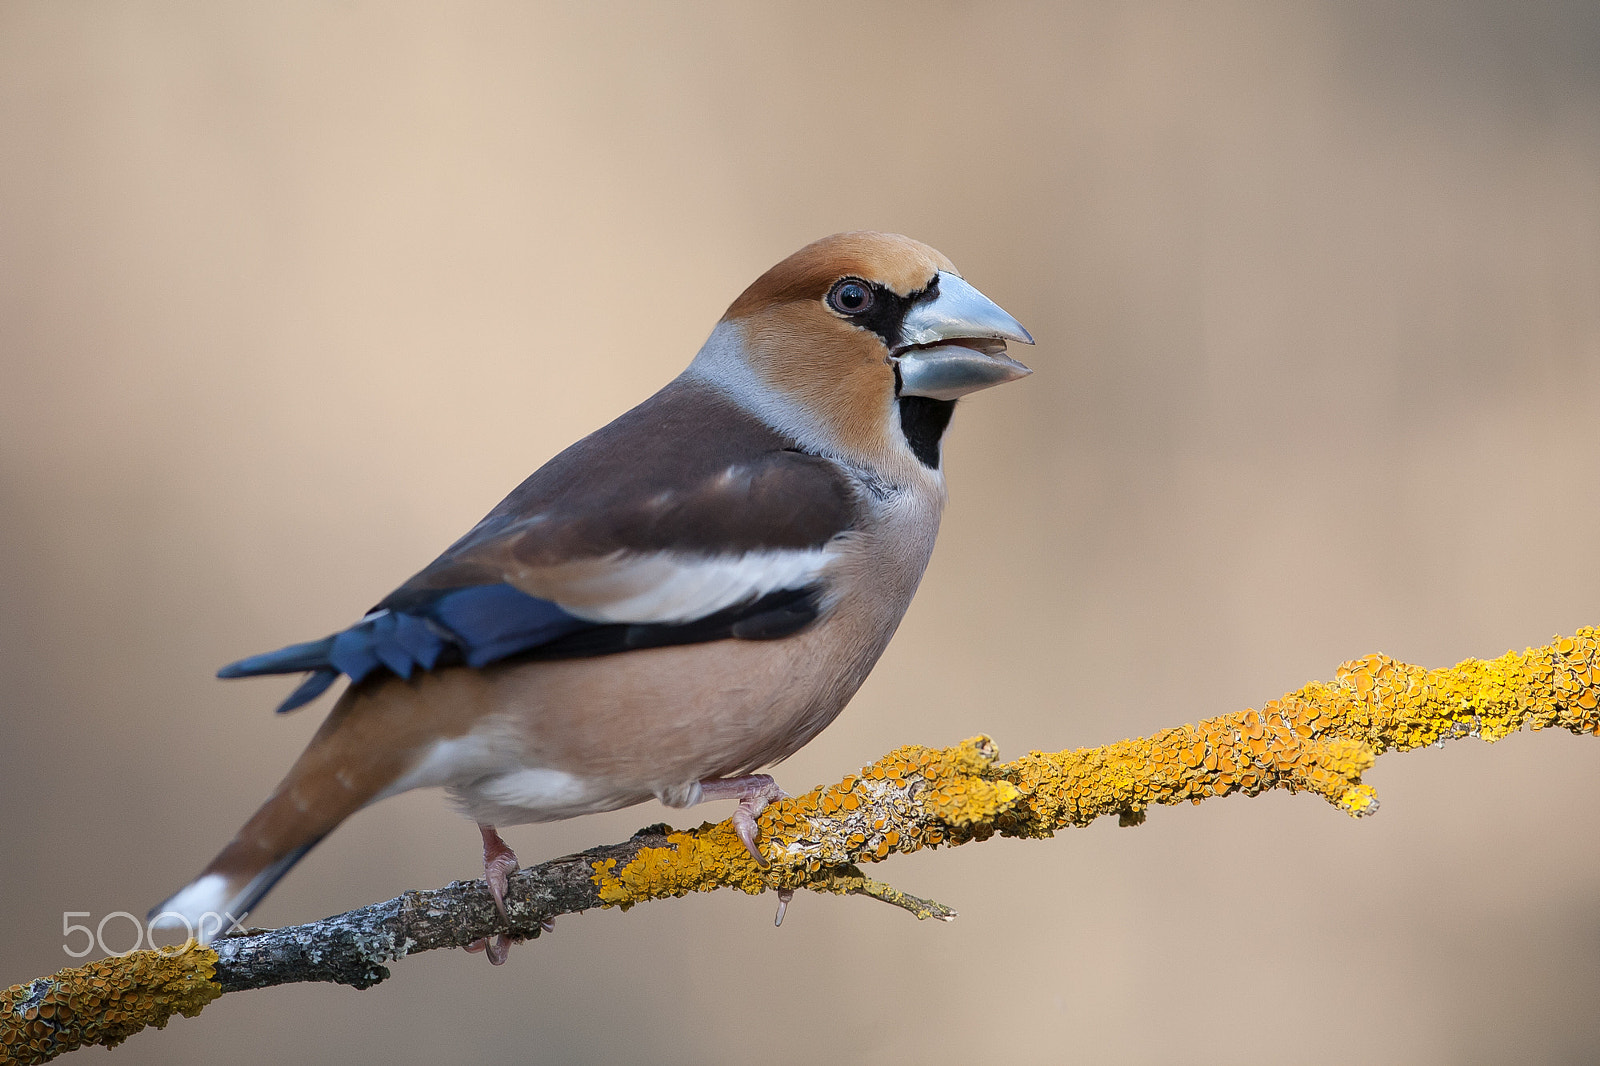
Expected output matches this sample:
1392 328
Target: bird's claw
497 950
754 792
784 896
744 825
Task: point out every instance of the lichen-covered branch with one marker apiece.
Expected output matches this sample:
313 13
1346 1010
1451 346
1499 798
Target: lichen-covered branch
1318 739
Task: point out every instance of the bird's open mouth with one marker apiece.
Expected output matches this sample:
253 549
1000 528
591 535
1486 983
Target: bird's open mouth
958 343
952 367
991 346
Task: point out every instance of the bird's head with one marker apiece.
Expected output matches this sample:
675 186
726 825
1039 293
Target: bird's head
860 343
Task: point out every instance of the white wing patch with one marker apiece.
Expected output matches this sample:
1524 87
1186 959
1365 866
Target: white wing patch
671 587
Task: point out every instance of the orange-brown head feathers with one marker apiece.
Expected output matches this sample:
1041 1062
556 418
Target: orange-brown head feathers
831 342
900 264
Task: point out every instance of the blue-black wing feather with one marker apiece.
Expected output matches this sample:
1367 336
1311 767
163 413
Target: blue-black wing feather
743 487
484 624
474 626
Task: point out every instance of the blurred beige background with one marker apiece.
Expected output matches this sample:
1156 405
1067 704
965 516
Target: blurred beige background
291 293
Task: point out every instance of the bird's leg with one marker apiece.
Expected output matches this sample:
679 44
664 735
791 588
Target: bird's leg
754 792
499 862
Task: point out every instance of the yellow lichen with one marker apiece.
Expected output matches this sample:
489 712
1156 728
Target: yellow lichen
104 1002
1320 738
691 860
865 817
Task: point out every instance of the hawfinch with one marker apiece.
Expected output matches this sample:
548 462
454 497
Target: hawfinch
676 601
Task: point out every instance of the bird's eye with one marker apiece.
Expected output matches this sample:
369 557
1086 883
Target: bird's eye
850 297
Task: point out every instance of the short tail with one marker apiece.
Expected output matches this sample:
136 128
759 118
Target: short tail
218 900
345 766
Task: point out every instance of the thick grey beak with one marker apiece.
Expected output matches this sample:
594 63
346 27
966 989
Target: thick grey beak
958 313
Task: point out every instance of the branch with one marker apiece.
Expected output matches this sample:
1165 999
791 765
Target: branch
1319 739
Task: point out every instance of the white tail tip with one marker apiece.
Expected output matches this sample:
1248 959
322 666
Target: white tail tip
200 908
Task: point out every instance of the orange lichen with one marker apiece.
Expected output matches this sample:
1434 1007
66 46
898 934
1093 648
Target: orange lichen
885 808
710 854
104 1002
1319 739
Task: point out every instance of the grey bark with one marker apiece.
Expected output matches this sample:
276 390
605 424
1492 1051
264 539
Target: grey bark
352 948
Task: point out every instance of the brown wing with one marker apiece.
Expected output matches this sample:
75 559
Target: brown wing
687 472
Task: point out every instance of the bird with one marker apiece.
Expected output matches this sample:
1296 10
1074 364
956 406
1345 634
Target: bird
682 598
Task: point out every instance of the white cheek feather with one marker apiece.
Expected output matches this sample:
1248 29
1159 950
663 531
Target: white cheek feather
721 363
669 588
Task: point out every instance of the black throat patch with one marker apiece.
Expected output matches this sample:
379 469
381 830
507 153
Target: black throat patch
923 420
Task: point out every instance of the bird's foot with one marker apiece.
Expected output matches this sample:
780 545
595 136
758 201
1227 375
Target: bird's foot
499 863
754 792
